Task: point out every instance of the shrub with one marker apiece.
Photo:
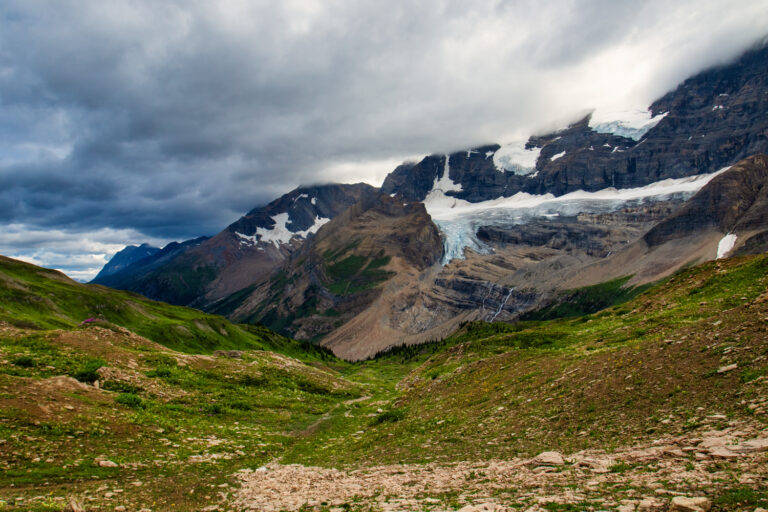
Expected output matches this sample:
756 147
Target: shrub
212 409
121 387
390 416
130 400
88 372
162 372
24 361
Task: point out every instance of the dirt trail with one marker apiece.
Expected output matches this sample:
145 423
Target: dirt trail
312 428
638 478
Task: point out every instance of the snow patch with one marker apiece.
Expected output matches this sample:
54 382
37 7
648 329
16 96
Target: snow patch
458 220
555 157
313 201
632 124
726 245
515 158
445 183
280 234
436 196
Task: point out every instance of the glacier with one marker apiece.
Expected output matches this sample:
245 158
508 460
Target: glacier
458 220
632 124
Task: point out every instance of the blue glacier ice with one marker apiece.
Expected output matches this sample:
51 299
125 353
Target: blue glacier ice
458 220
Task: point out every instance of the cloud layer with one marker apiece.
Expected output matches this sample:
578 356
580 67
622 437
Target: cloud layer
167 120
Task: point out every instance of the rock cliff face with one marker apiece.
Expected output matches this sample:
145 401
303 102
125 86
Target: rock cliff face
710 121
344 270
735 202
729 216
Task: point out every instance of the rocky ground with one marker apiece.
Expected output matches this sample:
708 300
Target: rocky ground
688 473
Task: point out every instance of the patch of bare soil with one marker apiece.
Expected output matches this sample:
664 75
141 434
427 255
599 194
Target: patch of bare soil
60 398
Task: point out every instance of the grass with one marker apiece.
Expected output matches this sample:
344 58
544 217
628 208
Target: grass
580 382
178 422
590 299
36 298
356 273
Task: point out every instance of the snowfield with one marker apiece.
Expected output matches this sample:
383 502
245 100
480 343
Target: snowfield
280 234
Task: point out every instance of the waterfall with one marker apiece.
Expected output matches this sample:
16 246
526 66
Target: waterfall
501 306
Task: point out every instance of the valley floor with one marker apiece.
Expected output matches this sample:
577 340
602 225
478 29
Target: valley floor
650 402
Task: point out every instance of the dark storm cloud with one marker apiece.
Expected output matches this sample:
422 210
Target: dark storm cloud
170 119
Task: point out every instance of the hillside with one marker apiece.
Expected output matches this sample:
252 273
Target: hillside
665 393
41 299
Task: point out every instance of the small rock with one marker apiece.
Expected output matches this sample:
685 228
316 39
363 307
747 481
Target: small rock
649 504
548 459
728 368
108 464
74 506
120 508
673 452
626 508
721 452
683 504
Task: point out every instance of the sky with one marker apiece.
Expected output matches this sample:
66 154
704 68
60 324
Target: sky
135 121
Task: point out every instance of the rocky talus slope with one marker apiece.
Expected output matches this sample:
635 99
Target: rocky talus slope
680 474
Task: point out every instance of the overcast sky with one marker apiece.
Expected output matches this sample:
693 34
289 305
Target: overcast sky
156 120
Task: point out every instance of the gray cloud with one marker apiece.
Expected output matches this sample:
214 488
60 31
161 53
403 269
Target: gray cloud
169 119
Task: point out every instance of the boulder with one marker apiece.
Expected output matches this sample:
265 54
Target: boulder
684 504
548 459
751 446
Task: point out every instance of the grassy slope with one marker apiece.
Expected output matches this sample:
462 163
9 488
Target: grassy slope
599 380
639 370
156 404
589 299
35 298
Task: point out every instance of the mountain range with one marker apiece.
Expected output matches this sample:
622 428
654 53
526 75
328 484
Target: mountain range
490 232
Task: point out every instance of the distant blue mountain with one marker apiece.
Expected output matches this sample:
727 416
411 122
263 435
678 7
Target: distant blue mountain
128 256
